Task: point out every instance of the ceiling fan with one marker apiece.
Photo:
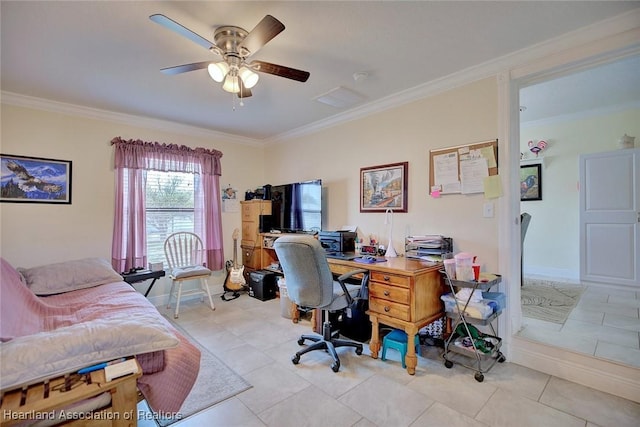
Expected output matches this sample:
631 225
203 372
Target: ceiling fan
235 45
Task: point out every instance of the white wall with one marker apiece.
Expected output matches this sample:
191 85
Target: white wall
461 116
36 234
551 246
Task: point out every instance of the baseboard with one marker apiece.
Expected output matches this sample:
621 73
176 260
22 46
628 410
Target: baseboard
551 273
609 377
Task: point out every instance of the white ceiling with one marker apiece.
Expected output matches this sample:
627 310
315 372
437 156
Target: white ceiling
107 55
615 85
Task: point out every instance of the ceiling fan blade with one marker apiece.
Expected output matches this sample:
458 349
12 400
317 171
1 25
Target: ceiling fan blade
185 68
183 31
266 29
244 92
280 70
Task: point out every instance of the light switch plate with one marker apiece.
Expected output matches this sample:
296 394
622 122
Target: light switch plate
487 210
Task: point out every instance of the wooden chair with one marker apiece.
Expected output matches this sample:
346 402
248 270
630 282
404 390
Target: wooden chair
185 255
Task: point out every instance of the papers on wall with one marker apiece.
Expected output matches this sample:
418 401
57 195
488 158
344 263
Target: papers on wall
445 171
492 187
230 205
464 168
472 174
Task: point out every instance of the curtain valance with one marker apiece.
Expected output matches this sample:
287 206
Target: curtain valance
137 154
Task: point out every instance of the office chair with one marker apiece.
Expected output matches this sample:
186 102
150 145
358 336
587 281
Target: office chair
310 284
525 218
186 258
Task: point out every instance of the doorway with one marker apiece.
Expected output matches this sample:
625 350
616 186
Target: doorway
588 111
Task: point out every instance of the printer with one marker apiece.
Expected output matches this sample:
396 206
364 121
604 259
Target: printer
338 241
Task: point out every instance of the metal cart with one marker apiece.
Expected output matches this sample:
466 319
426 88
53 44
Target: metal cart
462 340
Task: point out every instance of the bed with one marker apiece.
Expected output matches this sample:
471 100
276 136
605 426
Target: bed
58 318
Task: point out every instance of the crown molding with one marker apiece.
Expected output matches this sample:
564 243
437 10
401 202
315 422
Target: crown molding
19 100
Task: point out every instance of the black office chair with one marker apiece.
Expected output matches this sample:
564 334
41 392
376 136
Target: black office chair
525 218
310 284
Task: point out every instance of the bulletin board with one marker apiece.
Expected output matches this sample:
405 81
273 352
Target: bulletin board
450 168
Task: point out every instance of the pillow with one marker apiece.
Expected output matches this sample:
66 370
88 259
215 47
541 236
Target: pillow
69 276
33 358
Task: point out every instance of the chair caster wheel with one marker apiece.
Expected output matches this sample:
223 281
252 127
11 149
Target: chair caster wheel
335 367
448 364
358 351
479 377
295 359
301 341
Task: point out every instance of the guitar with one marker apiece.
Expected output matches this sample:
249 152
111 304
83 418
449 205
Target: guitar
234 281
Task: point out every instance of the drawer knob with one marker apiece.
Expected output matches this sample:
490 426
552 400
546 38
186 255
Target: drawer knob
387 308
386 278
386 293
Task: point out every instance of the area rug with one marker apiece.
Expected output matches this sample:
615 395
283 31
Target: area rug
549 301
216 382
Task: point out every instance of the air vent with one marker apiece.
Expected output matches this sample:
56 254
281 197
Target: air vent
340 97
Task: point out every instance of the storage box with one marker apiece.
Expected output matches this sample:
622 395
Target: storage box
478 310
262 285
498 297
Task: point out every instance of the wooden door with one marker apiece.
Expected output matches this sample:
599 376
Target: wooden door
610 217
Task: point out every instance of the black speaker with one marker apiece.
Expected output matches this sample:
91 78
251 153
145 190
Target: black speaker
266 192
265 223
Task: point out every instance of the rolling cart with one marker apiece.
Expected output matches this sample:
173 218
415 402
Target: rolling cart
465 339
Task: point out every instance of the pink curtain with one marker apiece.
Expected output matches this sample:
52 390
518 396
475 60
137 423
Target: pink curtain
129 244
132 159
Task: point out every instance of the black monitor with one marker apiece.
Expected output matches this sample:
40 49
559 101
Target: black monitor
297 207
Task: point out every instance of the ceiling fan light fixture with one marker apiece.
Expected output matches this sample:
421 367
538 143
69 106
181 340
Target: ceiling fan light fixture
218 71
231 84
249 78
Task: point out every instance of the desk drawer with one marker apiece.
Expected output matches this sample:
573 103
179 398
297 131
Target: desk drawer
388 308
390 293
393 279
251 233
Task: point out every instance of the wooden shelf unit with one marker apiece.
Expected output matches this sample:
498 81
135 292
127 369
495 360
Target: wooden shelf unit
251 243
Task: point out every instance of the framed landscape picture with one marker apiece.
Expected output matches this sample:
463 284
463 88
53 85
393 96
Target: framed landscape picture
384 187
531 182
35 180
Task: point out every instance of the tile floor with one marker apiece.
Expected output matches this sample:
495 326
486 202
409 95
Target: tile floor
605 323
254 339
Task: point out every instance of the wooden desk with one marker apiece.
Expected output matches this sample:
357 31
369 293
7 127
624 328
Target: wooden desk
403 293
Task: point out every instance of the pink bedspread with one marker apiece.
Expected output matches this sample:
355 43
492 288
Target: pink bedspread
167 376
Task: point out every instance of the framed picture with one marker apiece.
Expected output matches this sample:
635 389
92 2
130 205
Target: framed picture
384 187
531 182
35 180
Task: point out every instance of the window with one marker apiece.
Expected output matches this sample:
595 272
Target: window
184 194
169 208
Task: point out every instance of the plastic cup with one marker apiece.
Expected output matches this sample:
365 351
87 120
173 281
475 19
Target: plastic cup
450 268
476 271
464 263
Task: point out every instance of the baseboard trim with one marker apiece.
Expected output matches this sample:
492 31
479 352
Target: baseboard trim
609 377
551 273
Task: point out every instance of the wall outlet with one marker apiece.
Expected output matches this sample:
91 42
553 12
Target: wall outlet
487 210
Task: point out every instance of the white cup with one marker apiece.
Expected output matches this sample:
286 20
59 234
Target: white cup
156 266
